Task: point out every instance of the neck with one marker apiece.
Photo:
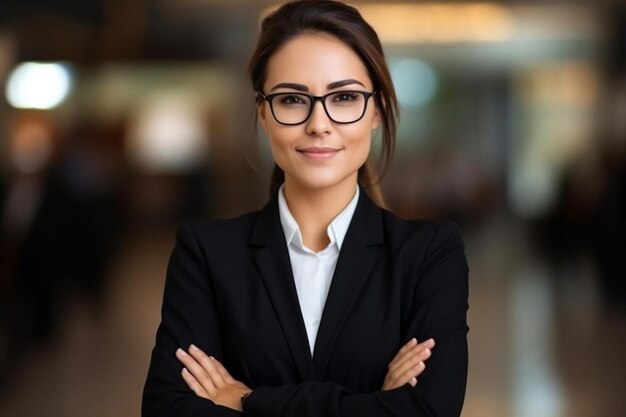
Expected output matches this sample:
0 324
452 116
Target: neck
315 209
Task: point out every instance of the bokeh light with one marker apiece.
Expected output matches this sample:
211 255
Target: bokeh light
33 85
415 82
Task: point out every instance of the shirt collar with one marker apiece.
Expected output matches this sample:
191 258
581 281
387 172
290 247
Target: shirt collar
337 228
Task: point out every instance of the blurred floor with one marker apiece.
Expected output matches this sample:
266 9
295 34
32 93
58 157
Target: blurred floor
98 363
539 346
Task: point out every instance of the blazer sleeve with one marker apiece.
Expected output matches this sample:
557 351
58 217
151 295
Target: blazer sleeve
438 309
188 316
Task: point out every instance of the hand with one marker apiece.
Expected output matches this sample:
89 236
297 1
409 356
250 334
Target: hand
408 364
208 378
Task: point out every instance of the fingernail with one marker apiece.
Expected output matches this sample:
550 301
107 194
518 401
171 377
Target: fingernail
193 347
412 341
180 352
413 382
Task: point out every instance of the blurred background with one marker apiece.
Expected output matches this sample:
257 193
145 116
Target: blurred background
120 118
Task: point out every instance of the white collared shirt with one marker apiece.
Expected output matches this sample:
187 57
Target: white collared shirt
313 271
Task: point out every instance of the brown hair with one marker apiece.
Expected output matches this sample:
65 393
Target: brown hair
345 23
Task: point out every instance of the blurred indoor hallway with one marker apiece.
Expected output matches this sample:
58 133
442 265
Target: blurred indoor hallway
539 347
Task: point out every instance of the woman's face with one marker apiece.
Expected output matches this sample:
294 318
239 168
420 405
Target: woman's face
318 153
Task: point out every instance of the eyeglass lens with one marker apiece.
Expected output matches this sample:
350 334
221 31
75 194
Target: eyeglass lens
341 107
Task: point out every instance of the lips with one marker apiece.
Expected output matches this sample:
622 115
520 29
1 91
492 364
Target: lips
319 153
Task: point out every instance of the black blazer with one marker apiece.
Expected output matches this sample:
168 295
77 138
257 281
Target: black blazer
230 291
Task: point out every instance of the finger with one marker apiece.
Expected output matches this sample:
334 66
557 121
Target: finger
430 343
408 345
208 365
406 365
421 351
397 377
193 384
198 372
410 361
410 348
398 380
227 377
410 365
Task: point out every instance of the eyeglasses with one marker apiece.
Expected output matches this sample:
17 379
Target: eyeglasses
342 107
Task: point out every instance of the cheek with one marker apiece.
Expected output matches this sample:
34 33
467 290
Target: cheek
361 141
280 141
364 150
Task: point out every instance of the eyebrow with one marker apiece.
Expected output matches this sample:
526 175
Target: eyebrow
302 87
341 83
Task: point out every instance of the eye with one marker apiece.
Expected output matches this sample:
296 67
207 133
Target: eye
346 96
292 99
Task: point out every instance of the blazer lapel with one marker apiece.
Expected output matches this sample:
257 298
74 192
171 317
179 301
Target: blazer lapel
358 254
272 259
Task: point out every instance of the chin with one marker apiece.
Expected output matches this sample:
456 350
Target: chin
320 182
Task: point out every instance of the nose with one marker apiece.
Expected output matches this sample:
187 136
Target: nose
318 123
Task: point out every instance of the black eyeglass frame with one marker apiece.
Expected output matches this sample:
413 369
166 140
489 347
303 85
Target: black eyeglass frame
270 97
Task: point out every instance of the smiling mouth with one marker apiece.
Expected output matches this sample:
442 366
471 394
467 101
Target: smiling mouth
319 154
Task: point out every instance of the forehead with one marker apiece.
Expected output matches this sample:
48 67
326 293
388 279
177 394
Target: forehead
315 60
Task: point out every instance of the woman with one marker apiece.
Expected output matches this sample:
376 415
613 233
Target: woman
314 305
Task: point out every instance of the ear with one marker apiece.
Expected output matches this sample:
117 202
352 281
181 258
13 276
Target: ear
261 109
376 121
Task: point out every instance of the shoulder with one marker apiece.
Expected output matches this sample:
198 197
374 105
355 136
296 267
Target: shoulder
208 233
430 232
422 241
429 255
374 224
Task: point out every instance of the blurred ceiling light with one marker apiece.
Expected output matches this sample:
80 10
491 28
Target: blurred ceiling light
415 82
532 189
169 135
569 83
33 85
439 22
434 22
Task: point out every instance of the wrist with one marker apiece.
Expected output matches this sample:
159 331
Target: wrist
243 398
